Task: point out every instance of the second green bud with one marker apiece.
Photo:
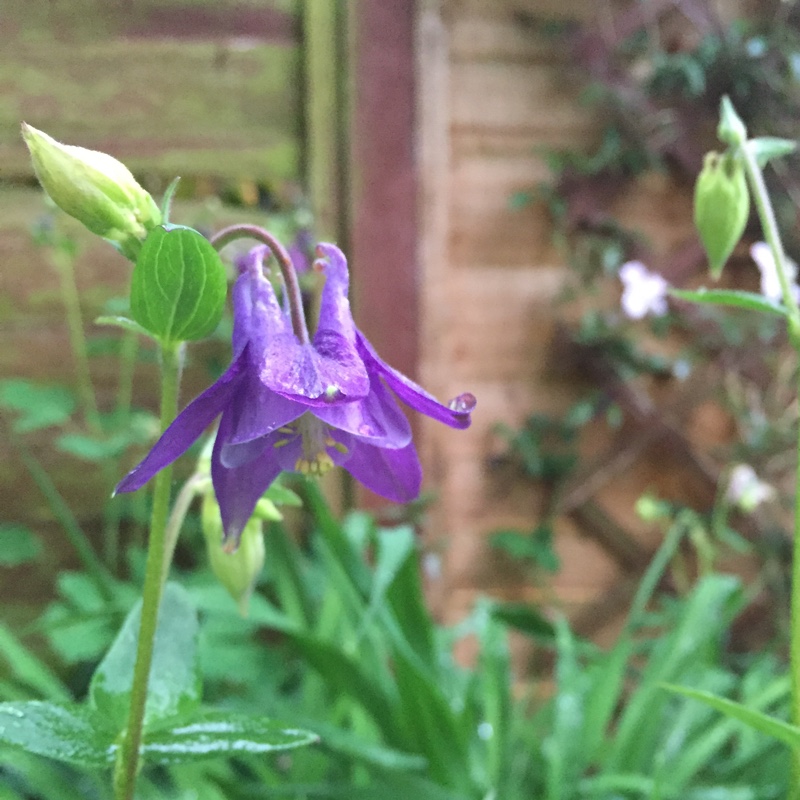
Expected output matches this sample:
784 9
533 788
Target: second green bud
721 207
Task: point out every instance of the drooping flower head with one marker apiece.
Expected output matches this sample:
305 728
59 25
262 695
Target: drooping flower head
290 402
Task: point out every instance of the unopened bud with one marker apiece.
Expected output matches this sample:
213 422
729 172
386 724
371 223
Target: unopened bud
721 207
237 570
95 189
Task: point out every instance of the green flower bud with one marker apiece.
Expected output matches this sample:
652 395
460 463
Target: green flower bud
237 570
731 129
721 207
95 189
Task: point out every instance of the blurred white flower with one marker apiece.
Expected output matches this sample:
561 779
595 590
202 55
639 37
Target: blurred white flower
644 292
770 285
745 490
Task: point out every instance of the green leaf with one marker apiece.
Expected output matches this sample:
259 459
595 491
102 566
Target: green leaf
731 297
536 546
282 496
771 726
63 731
101 448
220 733
124 323
38 406
765 148
524 618
18 545
28 669
179 285
174 676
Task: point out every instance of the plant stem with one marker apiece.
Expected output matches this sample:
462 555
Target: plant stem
65 266
290 282
194 485
129 350
770 227
773 237
794 625
127 765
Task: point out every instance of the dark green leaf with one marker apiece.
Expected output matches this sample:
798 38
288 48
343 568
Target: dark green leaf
220 733
731 297
769 725
17 545
179 285
174 676
524 618
64 731
536 547
38 406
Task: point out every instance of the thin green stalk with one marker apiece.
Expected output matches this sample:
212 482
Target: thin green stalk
772 235
770 227
200 481
127 766
62 512
65 265
129 350
113 518
794 624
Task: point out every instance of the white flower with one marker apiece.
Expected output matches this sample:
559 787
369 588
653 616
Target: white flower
770 285
746 490
644 292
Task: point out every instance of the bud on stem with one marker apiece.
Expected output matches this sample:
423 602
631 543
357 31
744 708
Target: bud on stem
721 206
95 189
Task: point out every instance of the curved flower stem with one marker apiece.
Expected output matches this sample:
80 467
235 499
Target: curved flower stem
770 227
198 482
228 235
772 235
127 766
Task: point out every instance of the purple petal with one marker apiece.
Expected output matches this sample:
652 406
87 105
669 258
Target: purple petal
334 309
257 316
327 371
255 411
187 427
456 413
377 418
300 373
393 474
238 489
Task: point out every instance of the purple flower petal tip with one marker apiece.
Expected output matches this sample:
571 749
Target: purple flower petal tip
463 406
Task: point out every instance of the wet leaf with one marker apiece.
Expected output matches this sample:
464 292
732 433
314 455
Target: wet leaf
219 733
64 731
174 676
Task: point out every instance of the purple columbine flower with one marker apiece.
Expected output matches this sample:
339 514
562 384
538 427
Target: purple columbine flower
288 402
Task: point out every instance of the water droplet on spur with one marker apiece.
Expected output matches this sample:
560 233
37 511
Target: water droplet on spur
463 404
